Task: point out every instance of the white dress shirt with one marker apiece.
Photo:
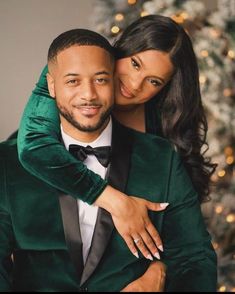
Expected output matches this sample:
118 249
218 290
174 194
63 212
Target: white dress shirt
88 213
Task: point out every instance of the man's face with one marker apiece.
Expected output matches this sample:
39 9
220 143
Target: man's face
81 80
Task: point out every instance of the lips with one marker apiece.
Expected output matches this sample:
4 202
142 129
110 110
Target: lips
88 110
125 91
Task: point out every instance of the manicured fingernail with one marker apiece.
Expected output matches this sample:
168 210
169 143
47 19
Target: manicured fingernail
164 205
149 257
157 255
136 254
160 247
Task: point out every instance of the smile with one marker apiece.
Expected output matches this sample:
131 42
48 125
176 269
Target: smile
88 110
125 91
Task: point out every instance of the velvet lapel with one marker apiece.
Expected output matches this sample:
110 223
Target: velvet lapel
70 217
117 178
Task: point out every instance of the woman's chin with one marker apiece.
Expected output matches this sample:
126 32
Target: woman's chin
122 101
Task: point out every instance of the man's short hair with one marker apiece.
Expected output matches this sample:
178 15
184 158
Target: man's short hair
80 37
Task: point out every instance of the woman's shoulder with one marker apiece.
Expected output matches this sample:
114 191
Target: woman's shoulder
153 141
147 141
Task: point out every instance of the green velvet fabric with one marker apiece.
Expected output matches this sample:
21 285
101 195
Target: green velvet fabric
31 227
43 155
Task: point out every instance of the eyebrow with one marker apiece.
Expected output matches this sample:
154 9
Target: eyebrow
103 72
141 62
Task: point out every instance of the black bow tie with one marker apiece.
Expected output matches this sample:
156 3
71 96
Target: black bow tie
102 153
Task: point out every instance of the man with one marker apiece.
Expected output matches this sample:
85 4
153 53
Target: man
51 251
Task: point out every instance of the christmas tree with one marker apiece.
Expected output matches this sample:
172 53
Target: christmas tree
213 36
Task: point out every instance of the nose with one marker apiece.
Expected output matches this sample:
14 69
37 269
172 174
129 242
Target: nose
136 83
87 91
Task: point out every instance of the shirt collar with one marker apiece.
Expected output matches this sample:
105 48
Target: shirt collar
104 138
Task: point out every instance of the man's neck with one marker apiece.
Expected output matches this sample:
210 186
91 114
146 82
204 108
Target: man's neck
82 136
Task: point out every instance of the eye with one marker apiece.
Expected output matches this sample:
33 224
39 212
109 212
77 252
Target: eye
102 81
72 82
135 64
155 83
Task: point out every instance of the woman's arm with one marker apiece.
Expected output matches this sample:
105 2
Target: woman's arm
43 155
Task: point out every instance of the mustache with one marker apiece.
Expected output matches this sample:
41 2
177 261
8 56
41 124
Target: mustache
86 104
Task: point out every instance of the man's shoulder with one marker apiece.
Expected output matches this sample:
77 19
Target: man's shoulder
10 164
13 172
8 149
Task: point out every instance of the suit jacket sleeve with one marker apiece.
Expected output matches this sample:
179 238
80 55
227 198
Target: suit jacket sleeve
42 154
188 254
6 237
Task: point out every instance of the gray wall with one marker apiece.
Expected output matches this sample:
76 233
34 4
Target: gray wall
27 28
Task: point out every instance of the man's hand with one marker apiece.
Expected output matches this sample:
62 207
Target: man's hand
130 217
153 280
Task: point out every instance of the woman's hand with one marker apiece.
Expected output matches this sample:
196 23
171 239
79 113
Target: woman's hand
153 280
130 217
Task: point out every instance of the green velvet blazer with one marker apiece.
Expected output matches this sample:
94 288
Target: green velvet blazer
39 225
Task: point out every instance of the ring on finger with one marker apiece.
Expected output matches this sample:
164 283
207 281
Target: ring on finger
136 240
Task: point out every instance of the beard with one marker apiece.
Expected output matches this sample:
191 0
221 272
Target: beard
85 128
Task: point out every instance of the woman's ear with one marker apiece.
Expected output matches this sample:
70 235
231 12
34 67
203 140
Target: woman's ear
51 85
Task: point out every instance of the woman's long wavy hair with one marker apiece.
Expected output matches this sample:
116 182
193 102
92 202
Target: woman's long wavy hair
182 115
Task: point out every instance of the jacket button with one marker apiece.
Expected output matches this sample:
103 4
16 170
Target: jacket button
83 289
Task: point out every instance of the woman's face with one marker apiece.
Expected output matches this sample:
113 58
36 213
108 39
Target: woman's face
141 76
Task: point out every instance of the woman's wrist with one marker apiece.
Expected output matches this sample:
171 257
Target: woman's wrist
111 200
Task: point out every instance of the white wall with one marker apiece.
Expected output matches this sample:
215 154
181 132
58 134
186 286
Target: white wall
27 27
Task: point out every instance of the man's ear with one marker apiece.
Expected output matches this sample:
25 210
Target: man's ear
51 85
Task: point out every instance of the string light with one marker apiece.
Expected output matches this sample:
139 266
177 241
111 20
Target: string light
119 17
221 173
132 2
143 13
222 289
228 151
215 245
219 209
233 289
204 53
202 79
214 178
178 18
231 54
215 33
230 160
227 92
230 218
184 15
115 29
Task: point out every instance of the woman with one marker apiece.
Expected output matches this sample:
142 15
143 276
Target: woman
157 91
